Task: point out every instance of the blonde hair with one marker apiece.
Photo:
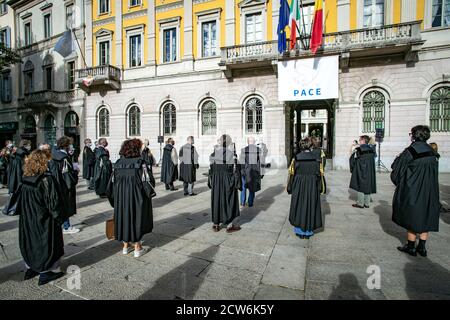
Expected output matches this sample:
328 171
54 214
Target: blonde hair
36 163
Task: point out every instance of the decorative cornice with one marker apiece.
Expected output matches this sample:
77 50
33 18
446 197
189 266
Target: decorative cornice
250 3
102 22
26 15
208 12
169 6
46 6
201 1
103 33
135 14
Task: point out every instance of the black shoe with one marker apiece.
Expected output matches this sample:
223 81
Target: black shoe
422 252
355 205
193 194
30 274
50 276
367 207
408 250
186 194
173 189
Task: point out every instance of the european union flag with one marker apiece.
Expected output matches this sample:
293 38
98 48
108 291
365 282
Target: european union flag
283 22
65 45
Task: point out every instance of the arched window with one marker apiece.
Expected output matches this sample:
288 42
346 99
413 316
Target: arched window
71 120
134 121
373 104
209 118
253 112
103 122
440 110
47 67
169 119
50 130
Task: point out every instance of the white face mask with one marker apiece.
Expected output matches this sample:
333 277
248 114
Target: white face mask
10 145
28 148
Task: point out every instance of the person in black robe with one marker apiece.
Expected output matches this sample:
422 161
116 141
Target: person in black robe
147 155
250 161
61 167
225 182
88 162
103 168
5 160
169 169
39 206
362 167
91 182
416 206
188 166
305 212
15 170
133 213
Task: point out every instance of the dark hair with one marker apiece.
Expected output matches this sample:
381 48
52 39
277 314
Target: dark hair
24 143
315 142
87 140
365 138
305 144
420 133
64 142
102 142
131 148
169 141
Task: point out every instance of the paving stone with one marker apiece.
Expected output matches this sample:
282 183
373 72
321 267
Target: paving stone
268 292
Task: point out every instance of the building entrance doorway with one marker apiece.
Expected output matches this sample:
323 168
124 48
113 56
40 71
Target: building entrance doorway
311 119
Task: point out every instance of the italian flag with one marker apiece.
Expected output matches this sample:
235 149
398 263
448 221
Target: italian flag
316 34
293 18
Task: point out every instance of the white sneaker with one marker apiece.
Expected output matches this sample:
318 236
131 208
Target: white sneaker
71 230
126 251
140 253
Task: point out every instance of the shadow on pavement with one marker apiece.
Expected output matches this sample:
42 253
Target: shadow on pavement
348 289
384 212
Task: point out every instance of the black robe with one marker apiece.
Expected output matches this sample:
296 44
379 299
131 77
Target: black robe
148 157
88 163
5 162
41 216
305 210
15 169
250 161
225 179
61 168
188 163
362 167
169 170
133 213
416 205
102 171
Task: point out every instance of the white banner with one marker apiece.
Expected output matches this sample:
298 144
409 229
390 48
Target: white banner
308 79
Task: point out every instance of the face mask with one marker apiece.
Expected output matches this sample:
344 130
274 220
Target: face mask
10 145
28 148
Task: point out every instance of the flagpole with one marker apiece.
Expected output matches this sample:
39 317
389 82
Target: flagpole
79 47
304 26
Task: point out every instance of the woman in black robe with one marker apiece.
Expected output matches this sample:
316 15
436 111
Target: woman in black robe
188 166
15 170
225 182
88 161
362 167
62 169
416 204
40 208
169 169
304 186
103 168
133 213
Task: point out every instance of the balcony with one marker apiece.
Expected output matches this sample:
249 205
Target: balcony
48 98
402 39
100 78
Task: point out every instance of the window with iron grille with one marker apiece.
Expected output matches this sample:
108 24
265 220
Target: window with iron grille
440 110
209 118
169 119
374 103
253 110
134 121
50 130
103 122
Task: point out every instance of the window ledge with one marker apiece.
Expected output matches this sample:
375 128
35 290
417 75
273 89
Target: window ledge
431 29
208 58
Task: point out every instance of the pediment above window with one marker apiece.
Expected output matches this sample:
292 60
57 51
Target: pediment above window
252 3
103 33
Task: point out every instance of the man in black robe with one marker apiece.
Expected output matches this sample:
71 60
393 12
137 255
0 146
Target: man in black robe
103 168
91 183
169 169
362 167
40 206
416 204
250 161
225 181
61 167
188 166
5 159
147 155
88 162
15 170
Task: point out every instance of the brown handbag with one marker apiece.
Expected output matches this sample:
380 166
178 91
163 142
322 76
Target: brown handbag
110 229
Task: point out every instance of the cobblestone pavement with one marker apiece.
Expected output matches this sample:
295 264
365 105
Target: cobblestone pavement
265 260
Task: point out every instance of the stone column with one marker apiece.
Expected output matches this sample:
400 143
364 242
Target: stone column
188 31
343 15
230 23
88 33
151 34
118 34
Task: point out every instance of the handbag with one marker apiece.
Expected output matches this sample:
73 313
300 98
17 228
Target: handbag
290 179
148 183
109 230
